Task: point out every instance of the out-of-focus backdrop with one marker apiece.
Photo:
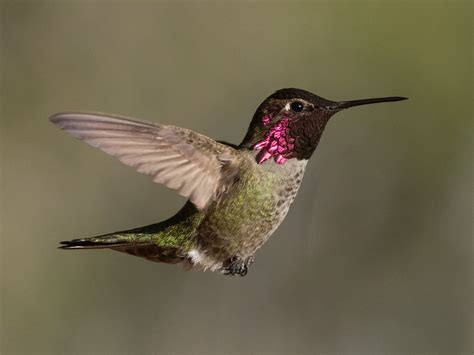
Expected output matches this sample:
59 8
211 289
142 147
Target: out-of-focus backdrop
375 255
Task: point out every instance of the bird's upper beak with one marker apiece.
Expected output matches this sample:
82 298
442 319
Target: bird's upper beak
341 105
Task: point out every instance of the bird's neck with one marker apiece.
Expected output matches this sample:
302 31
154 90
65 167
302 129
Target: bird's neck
284 140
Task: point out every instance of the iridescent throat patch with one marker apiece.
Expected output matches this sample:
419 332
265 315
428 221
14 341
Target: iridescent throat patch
277 142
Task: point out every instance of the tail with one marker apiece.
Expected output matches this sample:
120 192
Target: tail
162 242
100 242
136 244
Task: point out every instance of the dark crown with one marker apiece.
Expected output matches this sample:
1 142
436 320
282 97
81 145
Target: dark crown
293 93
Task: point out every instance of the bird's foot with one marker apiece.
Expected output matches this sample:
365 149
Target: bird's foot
238 266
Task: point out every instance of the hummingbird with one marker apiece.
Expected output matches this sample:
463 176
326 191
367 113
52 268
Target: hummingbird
238 195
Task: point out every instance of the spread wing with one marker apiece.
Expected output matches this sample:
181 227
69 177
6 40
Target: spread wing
179 158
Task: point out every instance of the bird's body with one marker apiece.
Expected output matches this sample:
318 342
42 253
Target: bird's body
238 195
240 222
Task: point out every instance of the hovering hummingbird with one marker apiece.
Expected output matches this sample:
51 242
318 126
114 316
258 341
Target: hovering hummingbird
238 195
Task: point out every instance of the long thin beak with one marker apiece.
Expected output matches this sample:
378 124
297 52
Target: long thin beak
346 104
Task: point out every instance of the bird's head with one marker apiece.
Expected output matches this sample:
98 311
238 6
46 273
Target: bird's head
290 122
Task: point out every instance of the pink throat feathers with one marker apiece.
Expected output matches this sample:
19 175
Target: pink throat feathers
277 142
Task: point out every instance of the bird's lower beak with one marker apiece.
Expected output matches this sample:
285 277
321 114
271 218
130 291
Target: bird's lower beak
341 105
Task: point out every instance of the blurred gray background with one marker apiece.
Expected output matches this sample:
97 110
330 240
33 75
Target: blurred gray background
375 255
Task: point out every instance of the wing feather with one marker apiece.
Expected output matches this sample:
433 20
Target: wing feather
176 157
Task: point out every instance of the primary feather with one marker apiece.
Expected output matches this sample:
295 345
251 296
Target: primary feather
178 158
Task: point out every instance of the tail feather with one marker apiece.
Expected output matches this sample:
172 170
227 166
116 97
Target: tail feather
121 243
107 241
165 241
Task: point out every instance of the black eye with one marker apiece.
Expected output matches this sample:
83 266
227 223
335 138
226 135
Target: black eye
297 106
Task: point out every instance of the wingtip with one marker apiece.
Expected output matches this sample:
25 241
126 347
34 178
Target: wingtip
54 118
58 117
